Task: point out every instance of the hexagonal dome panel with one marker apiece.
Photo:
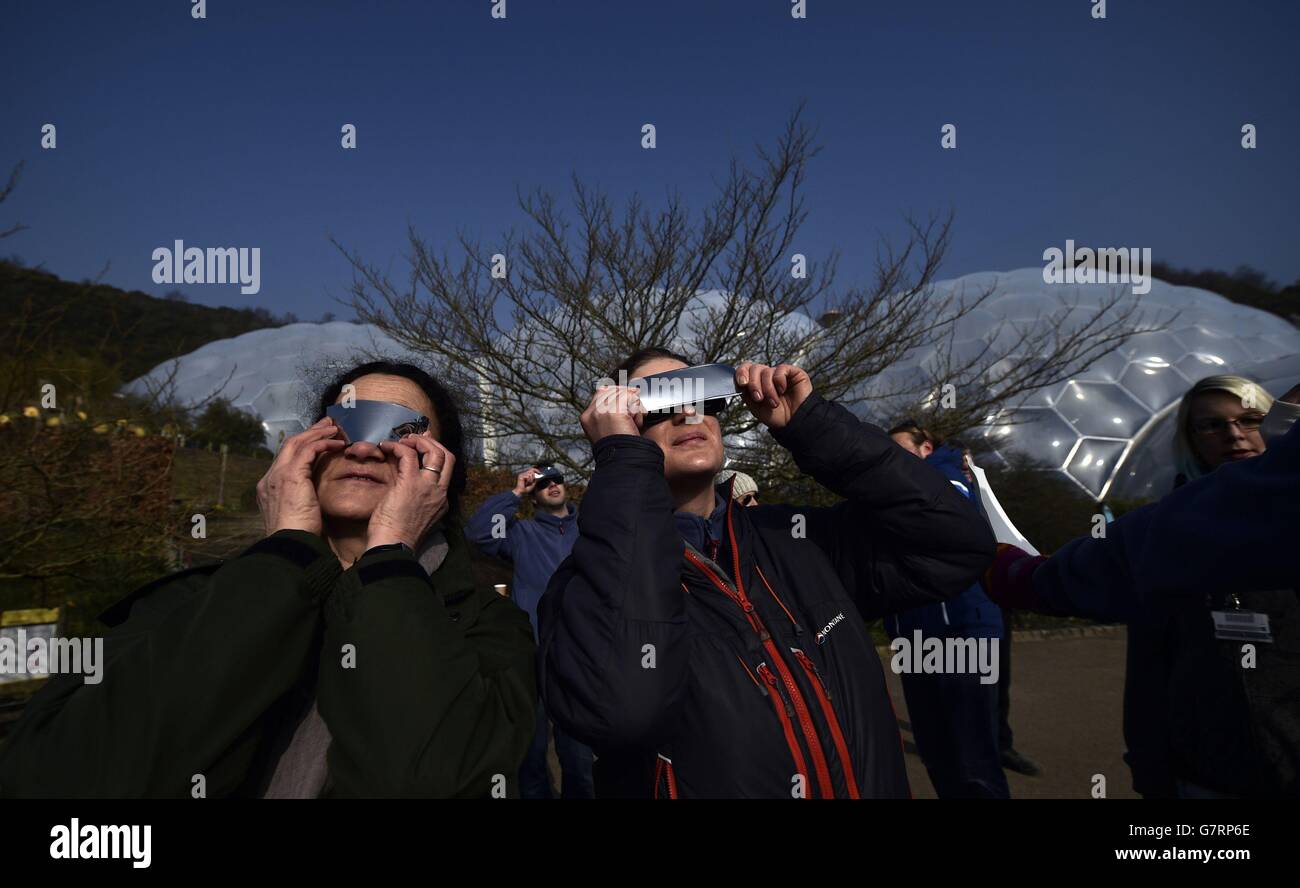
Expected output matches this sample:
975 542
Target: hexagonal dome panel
1035 431
1154 381
1093 462
1148 374
1197 366
277 399
1101 408
1212 345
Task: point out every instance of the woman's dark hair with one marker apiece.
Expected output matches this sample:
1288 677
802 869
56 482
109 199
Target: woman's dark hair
642 355
450 433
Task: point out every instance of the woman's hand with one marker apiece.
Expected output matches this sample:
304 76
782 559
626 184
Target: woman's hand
286 495
418 498
615 410
772 394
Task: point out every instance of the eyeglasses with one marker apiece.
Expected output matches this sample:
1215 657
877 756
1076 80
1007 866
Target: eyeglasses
1215 425
712 407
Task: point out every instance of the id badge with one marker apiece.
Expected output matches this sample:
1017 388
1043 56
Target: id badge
1241 625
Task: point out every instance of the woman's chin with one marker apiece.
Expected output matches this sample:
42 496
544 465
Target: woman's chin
702 465
347 513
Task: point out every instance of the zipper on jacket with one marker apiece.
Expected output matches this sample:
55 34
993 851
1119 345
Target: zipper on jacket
784 714
664 776
805 718
824 698
800 707
798 630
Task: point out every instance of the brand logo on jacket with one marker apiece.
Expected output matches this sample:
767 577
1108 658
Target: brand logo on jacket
826 630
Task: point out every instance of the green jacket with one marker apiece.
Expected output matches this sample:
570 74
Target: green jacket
207 671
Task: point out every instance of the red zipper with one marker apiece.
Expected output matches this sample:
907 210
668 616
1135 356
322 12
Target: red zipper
664 774
805 719
743 603
824 698
783 713
800 707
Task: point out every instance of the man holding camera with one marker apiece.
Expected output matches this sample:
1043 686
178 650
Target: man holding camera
536 547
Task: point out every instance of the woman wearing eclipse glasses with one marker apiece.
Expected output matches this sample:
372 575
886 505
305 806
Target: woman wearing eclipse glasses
346 654
707 650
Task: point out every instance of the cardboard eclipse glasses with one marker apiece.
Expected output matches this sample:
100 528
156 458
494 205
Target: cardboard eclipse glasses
376 421
546 477
706 386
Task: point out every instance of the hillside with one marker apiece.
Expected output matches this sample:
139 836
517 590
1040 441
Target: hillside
130 329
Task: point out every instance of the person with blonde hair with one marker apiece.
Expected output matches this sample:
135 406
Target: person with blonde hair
1207 584
1219 421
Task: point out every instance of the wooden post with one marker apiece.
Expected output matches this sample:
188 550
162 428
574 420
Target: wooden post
221 481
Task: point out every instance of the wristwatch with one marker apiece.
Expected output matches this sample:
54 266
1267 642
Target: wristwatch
389 547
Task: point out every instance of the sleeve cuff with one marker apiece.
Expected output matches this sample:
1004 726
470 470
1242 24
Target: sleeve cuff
306 551
628 450
802 425
376 566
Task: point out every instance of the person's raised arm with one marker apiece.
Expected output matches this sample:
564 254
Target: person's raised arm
1230 529
614 657
489 528
426 684
904 536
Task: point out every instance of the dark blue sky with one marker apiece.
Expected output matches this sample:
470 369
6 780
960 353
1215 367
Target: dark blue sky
225 132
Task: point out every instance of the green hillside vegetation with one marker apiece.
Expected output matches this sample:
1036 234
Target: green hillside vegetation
129 329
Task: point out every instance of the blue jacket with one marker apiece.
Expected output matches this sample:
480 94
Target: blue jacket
535 547
971 614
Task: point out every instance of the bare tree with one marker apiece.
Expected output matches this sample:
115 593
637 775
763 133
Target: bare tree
526 324
7 190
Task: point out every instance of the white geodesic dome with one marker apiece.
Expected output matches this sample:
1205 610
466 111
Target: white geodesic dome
1102 428
270 372
1106 429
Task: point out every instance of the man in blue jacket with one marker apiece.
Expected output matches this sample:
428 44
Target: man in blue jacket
954 716
536 547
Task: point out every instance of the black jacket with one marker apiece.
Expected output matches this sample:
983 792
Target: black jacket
208 671
755 675
1196 707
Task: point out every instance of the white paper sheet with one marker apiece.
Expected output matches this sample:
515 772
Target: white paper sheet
1003 529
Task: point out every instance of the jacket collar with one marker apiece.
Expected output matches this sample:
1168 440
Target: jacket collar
557 521
699 531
